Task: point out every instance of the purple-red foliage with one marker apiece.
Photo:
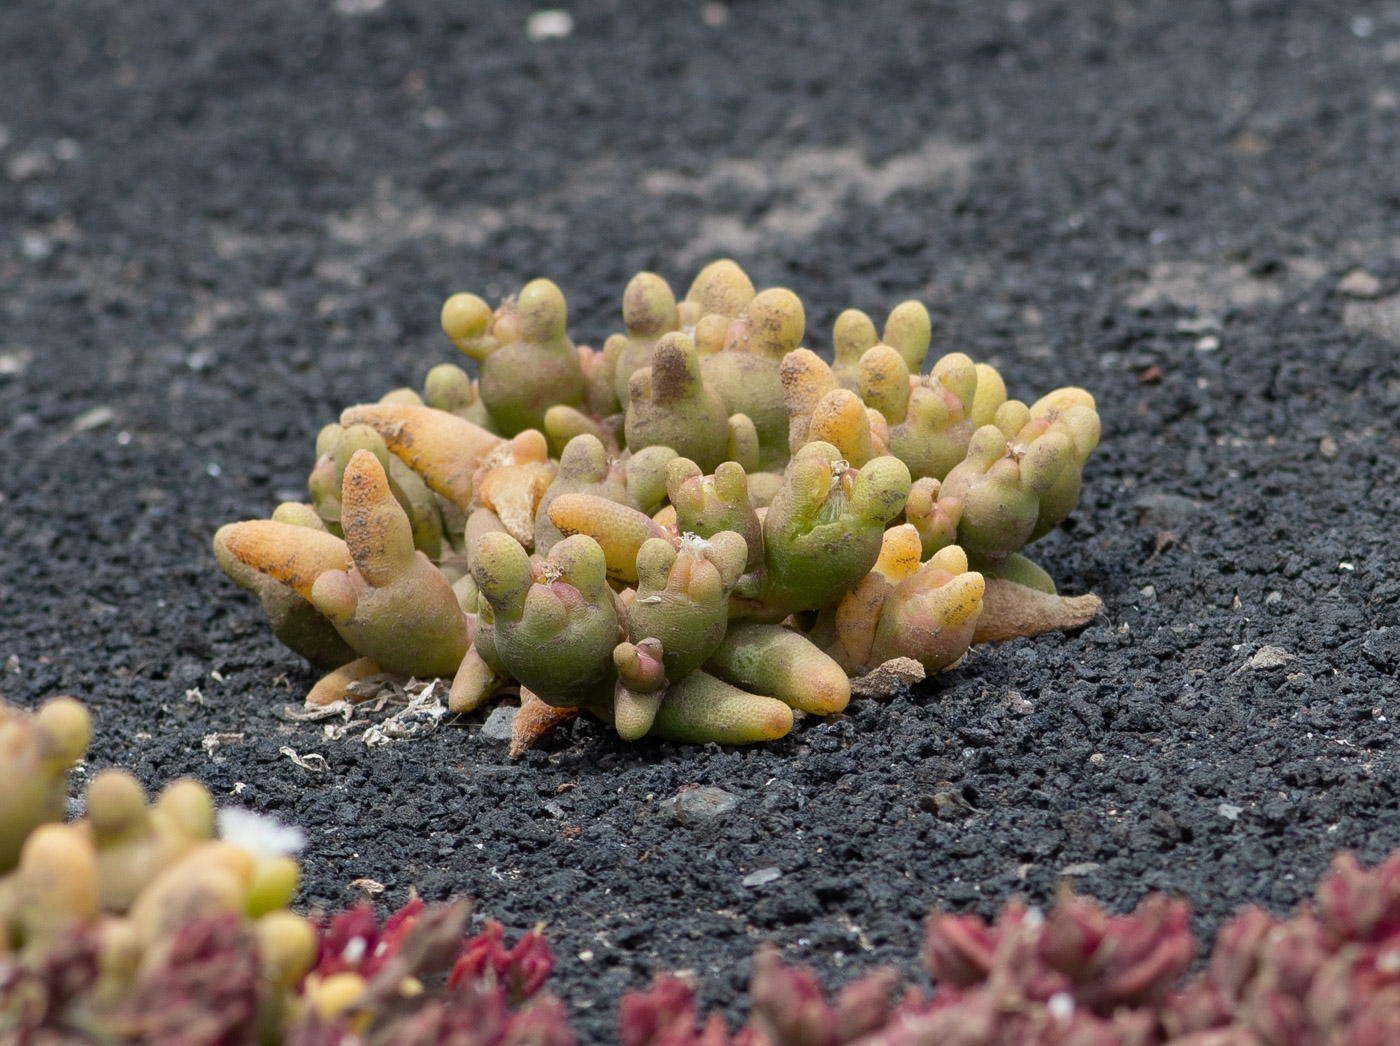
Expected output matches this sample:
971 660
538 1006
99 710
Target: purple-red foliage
354 942
521 970
35 999
664 1015
490 996
1328 976
468 1016
200 987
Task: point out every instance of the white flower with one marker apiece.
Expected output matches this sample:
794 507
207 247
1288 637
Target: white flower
259 834
1061 1007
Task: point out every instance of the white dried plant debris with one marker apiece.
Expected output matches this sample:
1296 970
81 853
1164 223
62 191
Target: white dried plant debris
419 718
259 834
312 761
315 713
213 742
335 731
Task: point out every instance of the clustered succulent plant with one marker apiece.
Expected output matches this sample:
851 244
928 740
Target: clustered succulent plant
136 925
692 533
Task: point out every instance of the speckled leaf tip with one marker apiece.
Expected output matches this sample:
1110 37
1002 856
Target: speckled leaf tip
692 532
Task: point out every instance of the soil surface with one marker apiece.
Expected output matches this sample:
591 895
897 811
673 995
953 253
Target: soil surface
220 223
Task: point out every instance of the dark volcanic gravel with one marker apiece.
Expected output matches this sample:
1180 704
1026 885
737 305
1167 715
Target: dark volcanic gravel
219 223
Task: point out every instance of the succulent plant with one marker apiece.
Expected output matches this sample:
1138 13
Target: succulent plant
657 532
36 752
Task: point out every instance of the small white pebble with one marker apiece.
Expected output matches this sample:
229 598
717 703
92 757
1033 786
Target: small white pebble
1362 27
550 24
1359 284
714 15
1208 344
29 164
213 469
35 246
356 7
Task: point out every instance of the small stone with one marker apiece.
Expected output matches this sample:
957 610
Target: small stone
14 361
763 875
498 723
1148 592
1198 324
1208 344
699 804
885 679
1380 317
1359 284
30 164
1273 597
1270 657
1327 447
1082 868
714 15
1163 510
35 246
91 419
549 25
1098 759
1229 811
1382 647
947 806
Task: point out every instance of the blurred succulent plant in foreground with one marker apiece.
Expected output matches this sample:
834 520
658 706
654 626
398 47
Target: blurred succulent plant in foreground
1078 976
164 924
697 532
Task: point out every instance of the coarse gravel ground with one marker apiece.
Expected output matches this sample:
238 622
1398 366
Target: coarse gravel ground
221 223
